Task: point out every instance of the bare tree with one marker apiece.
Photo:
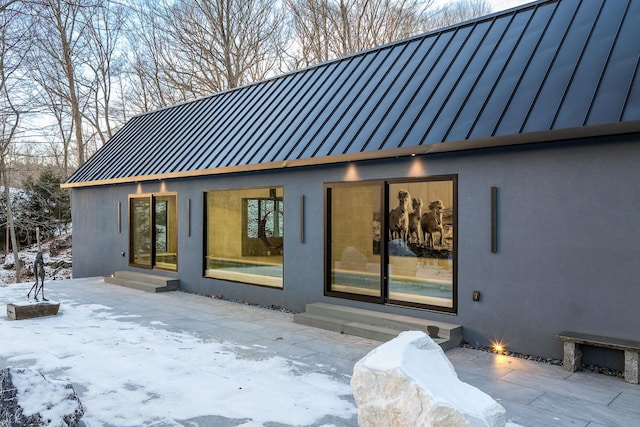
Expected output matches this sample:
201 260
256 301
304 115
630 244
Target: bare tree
5 5
191 48
221 44
150 84
362 24
104 28
14 35
59 134
8 132
311 25
327 29
60 48
459 11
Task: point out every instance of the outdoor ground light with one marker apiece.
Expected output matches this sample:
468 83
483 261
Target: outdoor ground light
498 347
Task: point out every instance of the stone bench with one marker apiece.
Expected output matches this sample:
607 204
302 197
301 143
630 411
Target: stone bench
573 342
31 309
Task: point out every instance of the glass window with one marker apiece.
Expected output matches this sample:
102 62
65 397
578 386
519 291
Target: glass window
354 244
421 243
140 234
153 235
406 255
245 235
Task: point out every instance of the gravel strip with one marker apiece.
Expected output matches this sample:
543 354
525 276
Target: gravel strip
548 360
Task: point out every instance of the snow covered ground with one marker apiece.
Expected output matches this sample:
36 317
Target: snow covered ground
133 372
57 260
129 372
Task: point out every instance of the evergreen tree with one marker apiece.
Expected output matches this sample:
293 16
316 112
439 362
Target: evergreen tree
47 205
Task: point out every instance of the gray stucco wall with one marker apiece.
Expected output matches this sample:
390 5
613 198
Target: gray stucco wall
568 238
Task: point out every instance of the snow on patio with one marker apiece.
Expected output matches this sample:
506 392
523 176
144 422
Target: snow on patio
129 373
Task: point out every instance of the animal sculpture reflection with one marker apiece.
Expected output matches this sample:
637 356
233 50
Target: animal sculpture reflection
415 217
399 217
432 222
38 271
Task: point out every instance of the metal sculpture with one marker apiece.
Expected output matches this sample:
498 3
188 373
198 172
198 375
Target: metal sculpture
38 271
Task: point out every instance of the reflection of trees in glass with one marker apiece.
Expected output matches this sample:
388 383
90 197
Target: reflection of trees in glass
142 236
153 231
161 207
267 210
377 230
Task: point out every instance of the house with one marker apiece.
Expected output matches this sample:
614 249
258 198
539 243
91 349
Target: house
486 174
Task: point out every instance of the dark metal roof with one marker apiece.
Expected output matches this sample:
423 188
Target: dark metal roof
545 71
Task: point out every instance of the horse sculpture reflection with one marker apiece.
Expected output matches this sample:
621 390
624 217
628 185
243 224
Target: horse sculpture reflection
432 222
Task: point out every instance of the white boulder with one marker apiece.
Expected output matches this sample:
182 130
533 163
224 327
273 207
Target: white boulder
409 381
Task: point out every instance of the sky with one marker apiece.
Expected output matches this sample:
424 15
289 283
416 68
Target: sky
499 5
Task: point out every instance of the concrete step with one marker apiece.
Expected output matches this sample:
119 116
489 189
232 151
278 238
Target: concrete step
376 325
364 330
143 281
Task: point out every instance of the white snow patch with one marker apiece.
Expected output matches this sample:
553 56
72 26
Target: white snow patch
131 374
37 394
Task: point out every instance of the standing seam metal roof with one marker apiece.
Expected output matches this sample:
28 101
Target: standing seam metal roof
549 70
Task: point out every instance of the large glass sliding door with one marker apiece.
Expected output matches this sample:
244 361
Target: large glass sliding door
393 242
165 220
354 239
153 231
140 231
421 255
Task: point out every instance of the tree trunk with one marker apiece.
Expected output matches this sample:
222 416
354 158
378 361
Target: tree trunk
69 71
75 111
12 229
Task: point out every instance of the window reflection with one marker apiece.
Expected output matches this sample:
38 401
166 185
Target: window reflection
245 235
154 234
355 239
140 234
421 242
166 232
410 224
